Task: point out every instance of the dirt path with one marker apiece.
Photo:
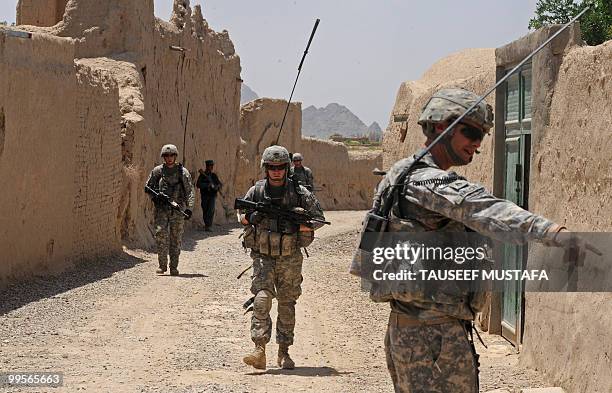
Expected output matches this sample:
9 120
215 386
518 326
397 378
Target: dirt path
114 326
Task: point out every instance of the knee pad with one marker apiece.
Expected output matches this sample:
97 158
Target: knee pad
262 304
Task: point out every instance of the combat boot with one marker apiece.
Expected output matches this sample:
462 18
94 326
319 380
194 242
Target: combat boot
257 358
161 269
284 360
174 271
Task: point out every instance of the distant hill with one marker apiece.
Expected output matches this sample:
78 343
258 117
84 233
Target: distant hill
335 119
374 132
246 94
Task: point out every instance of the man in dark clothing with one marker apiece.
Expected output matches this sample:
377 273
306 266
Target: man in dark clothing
209 184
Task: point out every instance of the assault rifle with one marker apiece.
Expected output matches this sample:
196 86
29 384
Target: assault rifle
161 196
268 210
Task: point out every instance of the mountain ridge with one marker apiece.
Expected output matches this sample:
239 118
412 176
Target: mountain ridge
335 118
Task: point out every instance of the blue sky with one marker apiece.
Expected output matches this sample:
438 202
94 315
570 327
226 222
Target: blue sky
363 49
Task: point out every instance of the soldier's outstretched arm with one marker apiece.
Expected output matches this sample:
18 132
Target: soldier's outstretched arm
472 205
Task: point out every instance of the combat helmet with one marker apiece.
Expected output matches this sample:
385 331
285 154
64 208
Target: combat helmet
169 149
449 104
297 157
275 155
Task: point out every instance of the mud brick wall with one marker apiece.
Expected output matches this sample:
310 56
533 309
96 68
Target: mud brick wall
98 168
567 335
48 219
40 12
260 121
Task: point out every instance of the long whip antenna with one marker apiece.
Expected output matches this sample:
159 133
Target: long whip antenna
314 29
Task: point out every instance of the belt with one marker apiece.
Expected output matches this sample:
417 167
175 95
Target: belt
403 321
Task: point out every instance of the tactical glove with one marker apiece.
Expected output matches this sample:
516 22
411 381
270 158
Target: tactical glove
189 213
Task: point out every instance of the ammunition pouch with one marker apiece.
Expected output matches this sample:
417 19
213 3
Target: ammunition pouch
249 236
270 243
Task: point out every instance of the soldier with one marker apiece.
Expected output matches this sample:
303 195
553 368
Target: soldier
209 184
427 345
301 173
277 260
173 180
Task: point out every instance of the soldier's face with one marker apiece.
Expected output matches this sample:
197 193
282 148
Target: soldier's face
276 173
466 140
297 163
169 159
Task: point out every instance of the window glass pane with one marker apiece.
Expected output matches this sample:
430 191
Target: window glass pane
526 76
512 98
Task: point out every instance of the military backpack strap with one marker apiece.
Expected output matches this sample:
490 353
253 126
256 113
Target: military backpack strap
259 193
393 191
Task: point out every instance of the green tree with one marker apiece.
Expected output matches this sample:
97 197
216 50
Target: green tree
596 24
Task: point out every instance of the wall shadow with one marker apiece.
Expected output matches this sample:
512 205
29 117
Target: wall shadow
18 294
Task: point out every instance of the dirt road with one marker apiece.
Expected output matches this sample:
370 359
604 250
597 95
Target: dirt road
114 326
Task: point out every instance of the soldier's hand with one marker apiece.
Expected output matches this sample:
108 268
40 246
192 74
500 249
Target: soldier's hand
571 240
189 213
255 218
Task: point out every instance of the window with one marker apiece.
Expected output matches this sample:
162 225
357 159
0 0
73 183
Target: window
518 102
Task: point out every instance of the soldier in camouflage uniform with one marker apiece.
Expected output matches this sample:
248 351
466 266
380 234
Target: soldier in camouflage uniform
277 260
173 180
302 174
427 344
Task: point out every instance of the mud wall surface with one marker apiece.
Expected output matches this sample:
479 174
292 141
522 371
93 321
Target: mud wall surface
40 12
57 155
260 122
568 335
344 181
471 69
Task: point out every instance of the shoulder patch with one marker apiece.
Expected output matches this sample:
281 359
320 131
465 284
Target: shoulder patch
457 190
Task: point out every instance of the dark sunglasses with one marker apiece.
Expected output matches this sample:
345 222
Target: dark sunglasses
472 133
276 167
168 155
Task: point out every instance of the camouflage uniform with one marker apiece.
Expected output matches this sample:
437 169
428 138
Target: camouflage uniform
304 176
278 276
176 183
437 358
427 345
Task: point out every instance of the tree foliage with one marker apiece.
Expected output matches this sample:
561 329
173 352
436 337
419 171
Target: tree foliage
596 24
